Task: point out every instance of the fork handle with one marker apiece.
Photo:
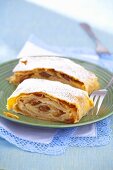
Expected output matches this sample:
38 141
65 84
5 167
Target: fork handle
110 83
89 31
92 35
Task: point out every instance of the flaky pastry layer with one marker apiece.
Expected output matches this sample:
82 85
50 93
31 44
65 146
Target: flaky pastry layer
50 100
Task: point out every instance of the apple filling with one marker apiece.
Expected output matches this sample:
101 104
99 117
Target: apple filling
45 107
49 74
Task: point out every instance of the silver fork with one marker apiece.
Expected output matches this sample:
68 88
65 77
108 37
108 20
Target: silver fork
99 95
101 50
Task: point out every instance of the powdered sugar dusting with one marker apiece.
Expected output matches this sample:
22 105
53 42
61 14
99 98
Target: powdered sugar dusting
59 64
53 88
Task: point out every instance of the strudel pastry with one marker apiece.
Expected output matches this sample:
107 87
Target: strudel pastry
56 69
50 100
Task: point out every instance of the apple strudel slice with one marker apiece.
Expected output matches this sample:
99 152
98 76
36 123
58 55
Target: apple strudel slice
56 69
50 100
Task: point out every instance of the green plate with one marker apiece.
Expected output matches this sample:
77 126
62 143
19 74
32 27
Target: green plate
6 90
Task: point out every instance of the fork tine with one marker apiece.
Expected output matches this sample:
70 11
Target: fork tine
92 96
95 100
100 103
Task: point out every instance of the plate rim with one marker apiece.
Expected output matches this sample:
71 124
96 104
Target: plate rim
59 125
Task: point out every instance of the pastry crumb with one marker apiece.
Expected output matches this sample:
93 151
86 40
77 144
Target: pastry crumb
11 115
24 62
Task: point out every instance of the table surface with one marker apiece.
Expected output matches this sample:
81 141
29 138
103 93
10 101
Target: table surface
18 19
